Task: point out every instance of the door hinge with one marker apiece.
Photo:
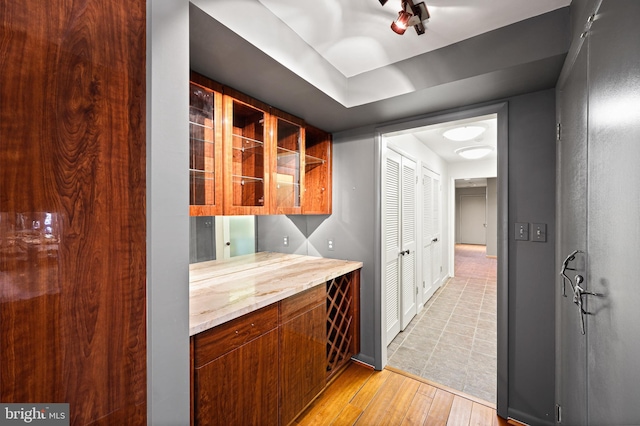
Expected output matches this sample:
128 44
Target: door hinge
416 290
558 413
559 131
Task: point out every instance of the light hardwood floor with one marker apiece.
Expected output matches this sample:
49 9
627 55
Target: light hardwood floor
362 396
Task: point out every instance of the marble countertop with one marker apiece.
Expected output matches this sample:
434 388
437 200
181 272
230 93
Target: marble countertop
222 290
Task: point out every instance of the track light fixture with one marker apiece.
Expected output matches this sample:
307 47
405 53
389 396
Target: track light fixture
411 15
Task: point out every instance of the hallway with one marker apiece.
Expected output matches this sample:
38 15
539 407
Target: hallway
453 340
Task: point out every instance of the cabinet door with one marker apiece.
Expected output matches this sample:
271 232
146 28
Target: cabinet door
205 147
240 387
286 163
317 172
303 361
246 150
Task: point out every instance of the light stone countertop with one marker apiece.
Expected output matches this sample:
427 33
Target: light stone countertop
222 290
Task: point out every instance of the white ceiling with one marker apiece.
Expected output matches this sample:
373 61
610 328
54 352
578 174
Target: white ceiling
355 36
432 137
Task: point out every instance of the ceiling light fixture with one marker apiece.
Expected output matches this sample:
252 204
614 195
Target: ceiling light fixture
411 15
474 152
464 133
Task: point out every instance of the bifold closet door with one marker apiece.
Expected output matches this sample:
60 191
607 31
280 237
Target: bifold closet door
430 233
399 242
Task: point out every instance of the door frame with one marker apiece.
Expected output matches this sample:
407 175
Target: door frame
380 145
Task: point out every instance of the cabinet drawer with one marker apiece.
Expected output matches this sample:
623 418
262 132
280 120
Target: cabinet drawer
293 306
226 337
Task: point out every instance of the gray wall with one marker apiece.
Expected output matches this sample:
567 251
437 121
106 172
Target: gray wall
492 217
351 226
531 264
167 212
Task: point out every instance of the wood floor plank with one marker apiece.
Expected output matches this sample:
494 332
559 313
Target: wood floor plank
440 408
481 415
366 397
400 403
460 413
427 390
348 416
369 390
381 403
331 402
419 409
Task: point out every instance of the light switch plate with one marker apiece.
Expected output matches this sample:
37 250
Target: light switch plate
539 232
522 231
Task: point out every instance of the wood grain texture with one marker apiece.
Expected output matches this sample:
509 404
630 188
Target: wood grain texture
226 337
362 396
317 195
72 199
302 361
240 387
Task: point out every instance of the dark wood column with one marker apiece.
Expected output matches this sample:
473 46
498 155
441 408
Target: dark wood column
72 207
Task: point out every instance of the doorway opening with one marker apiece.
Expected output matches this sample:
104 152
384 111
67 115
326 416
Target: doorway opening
453 337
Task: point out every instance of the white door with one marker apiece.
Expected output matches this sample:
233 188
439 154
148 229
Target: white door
473 219
391 243
430 233
408 243
399 245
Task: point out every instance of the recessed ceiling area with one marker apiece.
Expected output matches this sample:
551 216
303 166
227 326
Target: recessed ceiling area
433 138
339 66
354 36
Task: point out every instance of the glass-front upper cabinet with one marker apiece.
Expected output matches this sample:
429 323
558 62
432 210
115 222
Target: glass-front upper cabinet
317 172
287 181
247 145
205 147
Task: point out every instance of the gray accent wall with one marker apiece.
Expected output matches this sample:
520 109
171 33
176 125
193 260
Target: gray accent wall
492 217
167 213
532 264
351 226
531 177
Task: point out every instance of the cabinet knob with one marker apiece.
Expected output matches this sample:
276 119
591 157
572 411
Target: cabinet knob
252 324
236 331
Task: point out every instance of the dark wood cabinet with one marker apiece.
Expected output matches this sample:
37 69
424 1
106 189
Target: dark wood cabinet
303 354
247 158
205 147
317 172
235 373
265 367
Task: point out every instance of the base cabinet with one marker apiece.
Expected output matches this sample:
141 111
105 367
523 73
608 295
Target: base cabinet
303 354
265 367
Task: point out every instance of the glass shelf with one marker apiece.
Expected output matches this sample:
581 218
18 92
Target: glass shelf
243 180
247 143
287 152
200 124
312 161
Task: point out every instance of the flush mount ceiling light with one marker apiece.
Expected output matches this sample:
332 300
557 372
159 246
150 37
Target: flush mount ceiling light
474 152
411 15
464 133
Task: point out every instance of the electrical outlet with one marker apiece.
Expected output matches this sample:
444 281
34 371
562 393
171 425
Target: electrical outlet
285 241
330 244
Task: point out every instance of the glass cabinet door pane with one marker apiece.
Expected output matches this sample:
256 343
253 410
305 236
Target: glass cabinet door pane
248 162
288 164
201 142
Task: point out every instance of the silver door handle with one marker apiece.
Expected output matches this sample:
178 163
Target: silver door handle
565 268
578 294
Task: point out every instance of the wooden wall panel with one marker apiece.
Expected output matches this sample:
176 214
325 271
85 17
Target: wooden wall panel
72 207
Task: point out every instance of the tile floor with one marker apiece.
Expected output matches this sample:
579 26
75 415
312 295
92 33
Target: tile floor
453 340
